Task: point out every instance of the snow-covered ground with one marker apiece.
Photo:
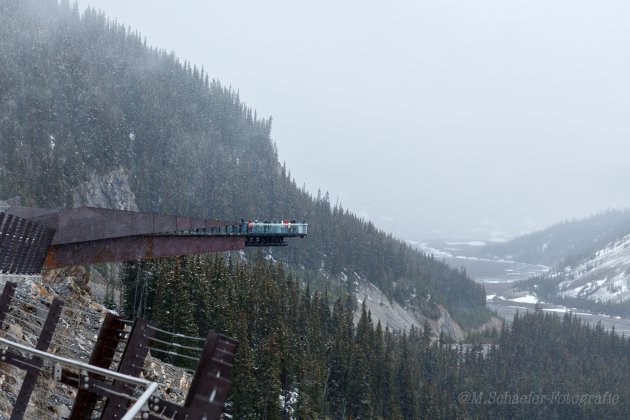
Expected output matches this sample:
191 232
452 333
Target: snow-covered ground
525 299
605 276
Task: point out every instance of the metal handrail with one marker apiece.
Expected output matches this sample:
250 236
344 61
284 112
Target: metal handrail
135 408
141 401
76 363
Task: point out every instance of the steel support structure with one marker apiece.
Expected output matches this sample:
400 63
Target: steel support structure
133 248
103 353
5 299
33 365
205 399
23 244
131 364
210 386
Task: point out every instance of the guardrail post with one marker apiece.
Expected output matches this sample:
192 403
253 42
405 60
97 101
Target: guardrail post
131 364
210 385
35 363
104 351
5 299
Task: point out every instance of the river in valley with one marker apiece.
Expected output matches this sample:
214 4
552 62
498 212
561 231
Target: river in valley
498 277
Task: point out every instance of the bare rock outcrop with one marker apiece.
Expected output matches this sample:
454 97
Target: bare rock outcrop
111 191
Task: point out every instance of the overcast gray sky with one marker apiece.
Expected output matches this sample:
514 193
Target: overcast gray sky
457 117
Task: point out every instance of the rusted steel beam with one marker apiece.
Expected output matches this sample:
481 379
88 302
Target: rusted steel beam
210 385
131 363
85 224
5 299
35 363
102 355
42 249
210 401
138 248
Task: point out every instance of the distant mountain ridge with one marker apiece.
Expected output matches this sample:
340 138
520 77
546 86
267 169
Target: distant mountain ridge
590 262
566 242
598 283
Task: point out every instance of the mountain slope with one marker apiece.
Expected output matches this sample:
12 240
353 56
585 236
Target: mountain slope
83 97
605 276
565 242
599 282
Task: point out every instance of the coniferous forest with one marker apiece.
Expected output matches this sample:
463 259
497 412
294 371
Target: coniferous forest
299 342
81 95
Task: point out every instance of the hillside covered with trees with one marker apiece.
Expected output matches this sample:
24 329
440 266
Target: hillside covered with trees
567 242
302 356
81 95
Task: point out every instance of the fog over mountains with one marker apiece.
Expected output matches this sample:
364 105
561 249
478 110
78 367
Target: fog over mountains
432 119
503 116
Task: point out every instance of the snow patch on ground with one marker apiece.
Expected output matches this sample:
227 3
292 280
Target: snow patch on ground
605 276
525 299
470 243
288 402
424 247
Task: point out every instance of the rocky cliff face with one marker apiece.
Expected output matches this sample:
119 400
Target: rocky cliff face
111 191
393 315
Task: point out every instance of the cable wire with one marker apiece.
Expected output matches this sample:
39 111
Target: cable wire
33 304
175 334
172 353
27 313
181 346
35 327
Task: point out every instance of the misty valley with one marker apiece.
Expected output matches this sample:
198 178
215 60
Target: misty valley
506 284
